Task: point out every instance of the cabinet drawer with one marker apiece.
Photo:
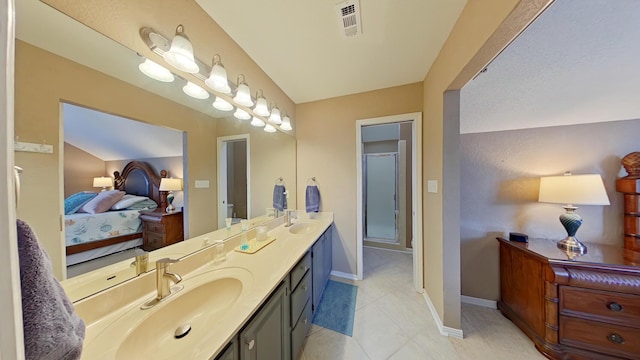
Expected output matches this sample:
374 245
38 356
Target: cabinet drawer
300 331
154 227
153 241
299 297
623 309
298 271
610 339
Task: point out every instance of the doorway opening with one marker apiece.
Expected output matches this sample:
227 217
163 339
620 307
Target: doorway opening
389 193
233 175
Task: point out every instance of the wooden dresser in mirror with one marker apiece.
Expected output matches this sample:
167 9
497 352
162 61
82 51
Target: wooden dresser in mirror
629 186
587 308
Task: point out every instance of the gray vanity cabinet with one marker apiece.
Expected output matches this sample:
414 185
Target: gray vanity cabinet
321 254
267 336
230 353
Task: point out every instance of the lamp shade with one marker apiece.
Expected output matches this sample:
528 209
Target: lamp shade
217 79
195 91
573 190
222 104
180 54
286 123
257 122
156 71
102 182
170 184
241 114
275 116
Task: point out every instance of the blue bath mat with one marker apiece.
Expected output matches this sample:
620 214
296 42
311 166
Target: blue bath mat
337 307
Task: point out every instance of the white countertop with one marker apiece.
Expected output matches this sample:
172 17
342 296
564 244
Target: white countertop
104 312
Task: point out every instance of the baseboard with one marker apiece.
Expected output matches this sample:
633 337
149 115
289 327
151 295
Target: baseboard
491 304
444 330
343 275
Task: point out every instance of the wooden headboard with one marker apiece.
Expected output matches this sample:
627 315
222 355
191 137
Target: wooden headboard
139 178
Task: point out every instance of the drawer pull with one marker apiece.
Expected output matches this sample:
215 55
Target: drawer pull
615 338
251 344
614 306
304 288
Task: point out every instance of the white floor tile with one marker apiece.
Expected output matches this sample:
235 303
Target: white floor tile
392 321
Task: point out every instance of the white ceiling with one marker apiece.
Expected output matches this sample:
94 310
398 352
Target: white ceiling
578 63
299 44
109 137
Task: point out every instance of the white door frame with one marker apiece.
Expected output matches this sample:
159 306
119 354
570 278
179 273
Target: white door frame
416 184
222 180
11 334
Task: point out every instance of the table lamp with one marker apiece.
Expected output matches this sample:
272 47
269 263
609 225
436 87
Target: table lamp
170 185
104 182
572 190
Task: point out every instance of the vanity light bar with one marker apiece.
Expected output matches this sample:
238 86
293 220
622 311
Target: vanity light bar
160 45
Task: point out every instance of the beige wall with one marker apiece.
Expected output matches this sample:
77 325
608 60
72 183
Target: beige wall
80 168
500 174
327 150
475 39
43 80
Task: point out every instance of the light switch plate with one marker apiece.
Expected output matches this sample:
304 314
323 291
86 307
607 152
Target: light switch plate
202 184
432 186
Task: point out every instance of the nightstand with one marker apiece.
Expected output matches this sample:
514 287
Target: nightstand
160 229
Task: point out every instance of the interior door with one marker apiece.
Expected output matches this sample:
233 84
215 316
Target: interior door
381 201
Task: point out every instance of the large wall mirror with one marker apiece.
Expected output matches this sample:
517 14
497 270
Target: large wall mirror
91 75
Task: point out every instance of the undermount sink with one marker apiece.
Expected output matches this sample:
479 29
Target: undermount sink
302 228
145 334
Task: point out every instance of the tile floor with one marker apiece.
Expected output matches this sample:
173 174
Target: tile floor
393 322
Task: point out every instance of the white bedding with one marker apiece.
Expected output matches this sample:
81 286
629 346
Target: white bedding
82 227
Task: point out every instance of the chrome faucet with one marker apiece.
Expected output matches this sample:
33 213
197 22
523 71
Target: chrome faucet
163 282
141 262
288 215
163 277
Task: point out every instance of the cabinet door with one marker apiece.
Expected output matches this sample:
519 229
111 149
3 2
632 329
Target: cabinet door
230 353
318 270
328 255
267 335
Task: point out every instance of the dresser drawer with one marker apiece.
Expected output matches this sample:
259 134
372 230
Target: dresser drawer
601 337
299 297
297 273
154 227
299 332
610 307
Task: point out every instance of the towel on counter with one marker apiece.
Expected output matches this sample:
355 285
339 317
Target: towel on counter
279 197
312 200
51 328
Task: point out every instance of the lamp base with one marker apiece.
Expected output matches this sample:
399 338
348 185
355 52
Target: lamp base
170 208
572 245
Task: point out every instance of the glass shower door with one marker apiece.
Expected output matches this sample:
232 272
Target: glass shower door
381 184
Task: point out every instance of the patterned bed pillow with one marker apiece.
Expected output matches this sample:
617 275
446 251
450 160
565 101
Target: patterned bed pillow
103 202
143 205
128 200
74 202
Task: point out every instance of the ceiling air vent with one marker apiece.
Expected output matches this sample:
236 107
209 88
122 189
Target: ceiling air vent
349 17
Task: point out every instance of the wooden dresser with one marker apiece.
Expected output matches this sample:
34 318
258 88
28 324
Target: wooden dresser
583 309
160 228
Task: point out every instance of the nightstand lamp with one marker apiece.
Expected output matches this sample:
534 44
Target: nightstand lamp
103 182
572 190
170 185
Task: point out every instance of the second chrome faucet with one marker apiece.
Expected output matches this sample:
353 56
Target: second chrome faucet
163 282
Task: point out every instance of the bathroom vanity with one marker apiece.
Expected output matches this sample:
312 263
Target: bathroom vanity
250 306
